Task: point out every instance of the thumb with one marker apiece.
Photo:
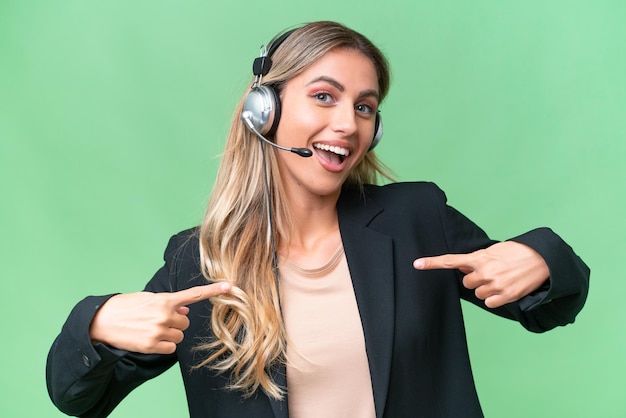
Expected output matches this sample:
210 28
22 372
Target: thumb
183 310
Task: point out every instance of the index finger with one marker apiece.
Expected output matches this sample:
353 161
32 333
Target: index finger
445 261
198 293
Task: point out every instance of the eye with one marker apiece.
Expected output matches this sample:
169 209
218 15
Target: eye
323 97
365 109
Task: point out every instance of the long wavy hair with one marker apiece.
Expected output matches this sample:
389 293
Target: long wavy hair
249 336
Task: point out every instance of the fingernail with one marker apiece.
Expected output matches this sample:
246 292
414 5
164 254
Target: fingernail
225 286
418 264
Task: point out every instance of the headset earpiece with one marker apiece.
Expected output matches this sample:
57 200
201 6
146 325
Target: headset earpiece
378 131
262 107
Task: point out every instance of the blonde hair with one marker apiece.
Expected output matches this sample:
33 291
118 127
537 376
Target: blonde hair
235 235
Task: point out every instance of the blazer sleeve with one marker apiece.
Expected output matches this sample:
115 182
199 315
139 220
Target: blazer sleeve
556 303
90 380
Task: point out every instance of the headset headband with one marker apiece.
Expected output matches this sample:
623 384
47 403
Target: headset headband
261 65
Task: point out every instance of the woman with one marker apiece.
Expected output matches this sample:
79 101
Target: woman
318 305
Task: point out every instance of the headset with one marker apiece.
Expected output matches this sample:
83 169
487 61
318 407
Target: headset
261 108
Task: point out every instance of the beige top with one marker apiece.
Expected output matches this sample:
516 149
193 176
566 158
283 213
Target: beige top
327 371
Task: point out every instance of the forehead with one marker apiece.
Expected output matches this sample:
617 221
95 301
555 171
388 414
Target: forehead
349 67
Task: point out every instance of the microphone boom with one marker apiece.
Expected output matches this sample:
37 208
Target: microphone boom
302 152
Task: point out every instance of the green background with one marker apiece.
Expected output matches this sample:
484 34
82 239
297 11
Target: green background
113 115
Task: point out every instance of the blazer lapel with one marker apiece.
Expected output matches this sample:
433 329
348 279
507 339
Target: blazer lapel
370 260
279 375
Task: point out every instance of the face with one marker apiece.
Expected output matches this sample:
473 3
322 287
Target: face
330 108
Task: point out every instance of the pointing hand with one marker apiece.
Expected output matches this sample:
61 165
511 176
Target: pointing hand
150 323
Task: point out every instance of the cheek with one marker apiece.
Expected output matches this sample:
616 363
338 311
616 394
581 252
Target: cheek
366 135
298 124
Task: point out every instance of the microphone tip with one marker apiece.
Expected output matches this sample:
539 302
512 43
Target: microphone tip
302 152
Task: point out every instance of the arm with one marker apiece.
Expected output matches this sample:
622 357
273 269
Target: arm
89 380
564 294
535 278
109 345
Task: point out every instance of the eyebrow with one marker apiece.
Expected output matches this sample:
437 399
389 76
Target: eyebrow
341 88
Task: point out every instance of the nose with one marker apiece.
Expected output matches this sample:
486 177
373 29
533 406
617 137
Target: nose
344 120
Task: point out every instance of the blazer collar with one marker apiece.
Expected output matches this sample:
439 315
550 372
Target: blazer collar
370 260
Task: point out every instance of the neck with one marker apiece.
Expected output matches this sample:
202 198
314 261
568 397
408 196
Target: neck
314 233
309 223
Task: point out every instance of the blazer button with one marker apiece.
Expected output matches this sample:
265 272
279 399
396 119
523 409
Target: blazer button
86 361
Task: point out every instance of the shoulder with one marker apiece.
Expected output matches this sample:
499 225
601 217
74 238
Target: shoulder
404 194
405 190
186 238
183 245
391 203
182 260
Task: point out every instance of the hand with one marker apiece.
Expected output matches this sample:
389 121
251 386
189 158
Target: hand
149 323
502 273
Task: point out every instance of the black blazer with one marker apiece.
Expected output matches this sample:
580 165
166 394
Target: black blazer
412 320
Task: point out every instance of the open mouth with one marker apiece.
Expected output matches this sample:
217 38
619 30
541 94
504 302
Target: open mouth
332 153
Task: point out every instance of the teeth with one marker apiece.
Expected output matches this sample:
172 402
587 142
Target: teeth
333 149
